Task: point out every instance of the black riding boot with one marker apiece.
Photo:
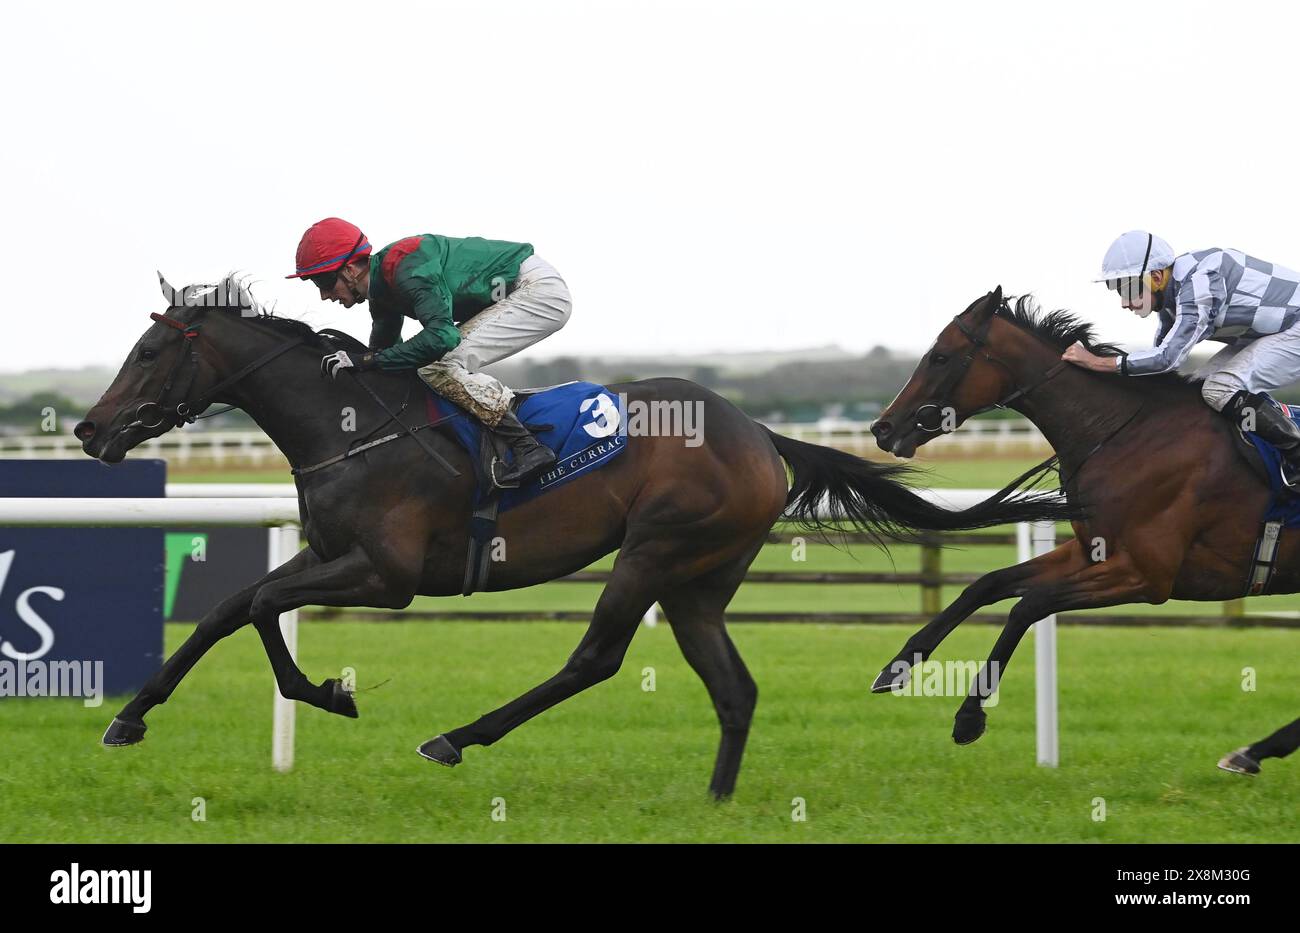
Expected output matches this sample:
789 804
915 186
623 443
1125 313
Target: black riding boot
529 456
1272 425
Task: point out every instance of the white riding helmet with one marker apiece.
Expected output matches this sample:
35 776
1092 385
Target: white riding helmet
1133 254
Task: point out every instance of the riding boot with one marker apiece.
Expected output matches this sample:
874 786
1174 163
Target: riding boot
1274 426
528 456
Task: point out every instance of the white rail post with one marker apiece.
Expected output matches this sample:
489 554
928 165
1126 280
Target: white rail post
283 544
1032 542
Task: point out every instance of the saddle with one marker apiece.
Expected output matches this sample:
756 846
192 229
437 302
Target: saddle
1250 453
1284 503
1265 460
581 421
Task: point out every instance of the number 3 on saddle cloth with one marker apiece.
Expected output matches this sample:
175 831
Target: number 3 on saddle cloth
584 423
1283 507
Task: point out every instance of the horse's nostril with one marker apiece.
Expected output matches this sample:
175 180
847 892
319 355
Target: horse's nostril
882 429
84 431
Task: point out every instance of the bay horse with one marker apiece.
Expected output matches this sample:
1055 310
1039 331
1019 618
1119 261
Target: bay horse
1170 509
393 522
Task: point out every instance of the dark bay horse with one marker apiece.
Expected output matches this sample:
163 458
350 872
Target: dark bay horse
391 523
1171 508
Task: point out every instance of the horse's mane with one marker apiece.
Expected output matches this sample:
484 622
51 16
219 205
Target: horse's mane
1060 329
234 295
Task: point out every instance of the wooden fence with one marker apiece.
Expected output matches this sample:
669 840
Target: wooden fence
930 578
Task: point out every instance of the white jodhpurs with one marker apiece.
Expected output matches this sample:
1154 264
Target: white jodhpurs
538 305
1266 363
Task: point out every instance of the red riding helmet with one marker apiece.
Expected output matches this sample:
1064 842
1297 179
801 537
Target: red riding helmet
327 245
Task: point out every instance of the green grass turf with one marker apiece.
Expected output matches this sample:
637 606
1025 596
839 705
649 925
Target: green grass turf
1144 716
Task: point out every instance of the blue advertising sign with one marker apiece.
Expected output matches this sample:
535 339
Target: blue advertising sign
80 608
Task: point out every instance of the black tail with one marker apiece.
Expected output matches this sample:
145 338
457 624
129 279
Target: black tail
832 488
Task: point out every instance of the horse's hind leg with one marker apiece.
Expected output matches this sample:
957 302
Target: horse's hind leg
695 612
1278 745
634 585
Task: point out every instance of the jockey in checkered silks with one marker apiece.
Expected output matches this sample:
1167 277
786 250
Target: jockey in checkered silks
479 301
1212 294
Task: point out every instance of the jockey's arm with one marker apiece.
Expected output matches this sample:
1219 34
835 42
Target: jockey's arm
431 303
385 325
1198 304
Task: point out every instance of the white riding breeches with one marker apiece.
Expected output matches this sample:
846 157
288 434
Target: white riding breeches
1269 362
538 305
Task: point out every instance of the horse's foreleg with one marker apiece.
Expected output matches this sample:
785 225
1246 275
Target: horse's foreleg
988 589
1278 745
350 580
629 593
1108 583
226 618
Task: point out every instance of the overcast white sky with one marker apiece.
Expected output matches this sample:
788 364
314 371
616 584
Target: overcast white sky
707 176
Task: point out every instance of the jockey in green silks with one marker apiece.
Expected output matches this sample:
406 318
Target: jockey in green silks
478 301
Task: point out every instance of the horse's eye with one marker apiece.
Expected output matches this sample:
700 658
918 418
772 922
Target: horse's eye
937 359
148 353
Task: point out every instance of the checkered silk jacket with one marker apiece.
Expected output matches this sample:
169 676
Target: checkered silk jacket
1217 294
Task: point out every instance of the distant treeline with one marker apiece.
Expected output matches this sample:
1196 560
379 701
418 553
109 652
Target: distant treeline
852 387
832 384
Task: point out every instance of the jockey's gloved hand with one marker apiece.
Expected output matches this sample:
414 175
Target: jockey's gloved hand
333 364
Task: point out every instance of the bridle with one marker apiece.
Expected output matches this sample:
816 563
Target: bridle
184 410
979 341
978 345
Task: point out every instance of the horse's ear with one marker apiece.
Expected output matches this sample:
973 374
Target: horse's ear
984 307
172 296
992 301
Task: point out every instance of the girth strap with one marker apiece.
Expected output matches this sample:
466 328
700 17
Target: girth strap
1265 559
482 529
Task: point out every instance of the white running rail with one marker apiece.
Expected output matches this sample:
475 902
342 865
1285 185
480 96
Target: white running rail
255 448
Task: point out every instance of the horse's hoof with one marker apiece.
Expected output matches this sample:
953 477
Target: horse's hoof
121 732
440 750
1239 763
968 727
341 700
894 677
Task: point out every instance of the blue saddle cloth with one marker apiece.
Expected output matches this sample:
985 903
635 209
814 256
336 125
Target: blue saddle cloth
1284 506
586 427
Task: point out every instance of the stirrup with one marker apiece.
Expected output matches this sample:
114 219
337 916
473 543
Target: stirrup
492 475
